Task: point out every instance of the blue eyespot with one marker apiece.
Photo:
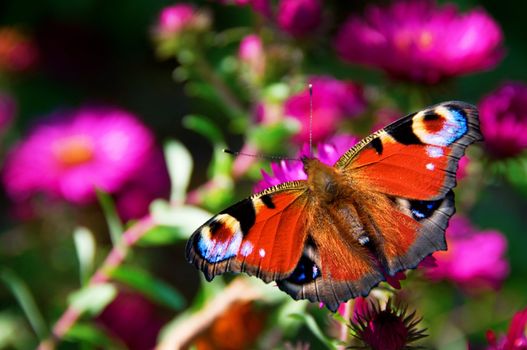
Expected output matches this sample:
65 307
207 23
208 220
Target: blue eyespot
305 271
424 209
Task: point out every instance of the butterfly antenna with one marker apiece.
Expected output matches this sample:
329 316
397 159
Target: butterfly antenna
258 155
311 120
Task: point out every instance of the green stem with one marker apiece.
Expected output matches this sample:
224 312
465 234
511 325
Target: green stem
26 301
116 257
233 105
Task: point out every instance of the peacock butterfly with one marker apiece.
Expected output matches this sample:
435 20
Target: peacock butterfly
382 208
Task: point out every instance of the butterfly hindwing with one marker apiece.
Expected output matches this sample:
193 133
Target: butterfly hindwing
335 265
262 235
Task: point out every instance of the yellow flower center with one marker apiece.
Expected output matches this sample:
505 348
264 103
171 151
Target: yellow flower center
425 40
405 40
73 150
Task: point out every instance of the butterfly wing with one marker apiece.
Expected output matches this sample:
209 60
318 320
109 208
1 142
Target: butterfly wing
283 234
335 266
262 235
413 164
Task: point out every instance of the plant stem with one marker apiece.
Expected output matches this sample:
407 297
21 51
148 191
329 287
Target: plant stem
234 106
115 258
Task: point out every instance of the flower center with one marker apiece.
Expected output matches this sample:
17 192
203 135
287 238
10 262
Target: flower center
73 150
425 40
405 41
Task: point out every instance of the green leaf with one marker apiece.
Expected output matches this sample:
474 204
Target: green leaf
13 332
153 288
310 322
26 301
162 235
93 299
179 163
270 138
205 127
90 334
112 219
85 247
277 93
516 172
175 223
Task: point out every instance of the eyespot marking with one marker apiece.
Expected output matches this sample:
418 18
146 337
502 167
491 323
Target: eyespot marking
440 126
305 271
424 209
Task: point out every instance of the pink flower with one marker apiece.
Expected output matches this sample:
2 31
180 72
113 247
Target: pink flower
391 328
503 115
17 51
252 56
420 41
175 18
70 154
515 338
462 167
328 153
299 17
474 260
133 319
333 100
178 24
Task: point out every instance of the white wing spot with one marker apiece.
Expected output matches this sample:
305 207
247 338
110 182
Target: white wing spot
246 249
261 252
434 152
430 166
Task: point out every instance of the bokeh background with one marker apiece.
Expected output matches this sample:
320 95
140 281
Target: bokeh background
195 75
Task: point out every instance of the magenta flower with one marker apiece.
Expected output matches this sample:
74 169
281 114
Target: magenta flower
173 19
474 260
333 100
515 338
391 328
420 41
299 17
503 115
328 153
70 154
251 54
133 319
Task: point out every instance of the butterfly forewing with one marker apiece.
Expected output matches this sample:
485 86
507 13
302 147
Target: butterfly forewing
413 163
262 235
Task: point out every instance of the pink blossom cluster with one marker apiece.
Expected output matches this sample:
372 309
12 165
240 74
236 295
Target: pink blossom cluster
72 153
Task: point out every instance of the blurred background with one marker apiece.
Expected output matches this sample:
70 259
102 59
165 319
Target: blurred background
124 96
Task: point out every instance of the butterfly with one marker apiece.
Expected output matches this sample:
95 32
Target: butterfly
380 209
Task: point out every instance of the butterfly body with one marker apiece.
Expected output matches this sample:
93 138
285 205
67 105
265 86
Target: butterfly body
381 208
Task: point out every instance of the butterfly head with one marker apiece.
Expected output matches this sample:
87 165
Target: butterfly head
324 180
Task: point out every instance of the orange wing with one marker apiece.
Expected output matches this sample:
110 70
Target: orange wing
262 235
412 163
417 156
